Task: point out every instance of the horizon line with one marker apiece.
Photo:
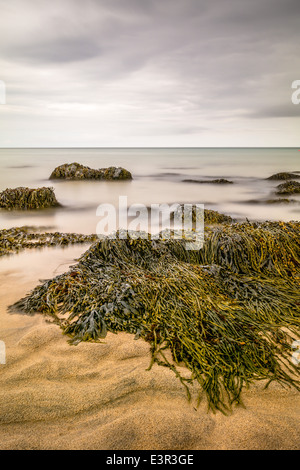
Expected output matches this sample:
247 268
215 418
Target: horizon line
114 148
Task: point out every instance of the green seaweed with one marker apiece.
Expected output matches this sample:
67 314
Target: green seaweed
227 312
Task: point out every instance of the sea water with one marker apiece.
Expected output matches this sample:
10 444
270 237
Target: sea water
158 177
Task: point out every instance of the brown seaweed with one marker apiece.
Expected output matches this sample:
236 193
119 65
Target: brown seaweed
228 312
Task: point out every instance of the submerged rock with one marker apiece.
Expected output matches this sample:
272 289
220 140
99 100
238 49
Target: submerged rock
290 187
281 201
283 176
75 171
272 201
217 181
28 199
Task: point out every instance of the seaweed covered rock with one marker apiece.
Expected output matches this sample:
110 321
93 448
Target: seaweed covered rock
75 171
215 217
283 176
281 201
28 199
228 312
16 239
272 201
290 187
210 217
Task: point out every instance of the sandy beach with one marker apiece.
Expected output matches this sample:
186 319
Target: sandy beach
100 396
149 226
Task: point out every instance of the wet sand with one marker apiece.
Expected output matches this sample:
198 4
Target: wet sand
100 396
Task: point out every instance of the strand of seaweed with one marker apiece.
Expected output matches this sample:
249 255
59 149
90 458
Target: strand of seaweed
227 312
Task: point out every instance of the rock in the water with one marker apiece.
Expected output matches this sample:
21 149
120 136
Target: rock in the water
281 201
290 187
283 176
217 181
28 199
75 171
210 217
272 201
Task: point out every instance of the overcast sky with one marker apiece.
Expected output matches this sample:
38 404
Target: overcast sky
149 73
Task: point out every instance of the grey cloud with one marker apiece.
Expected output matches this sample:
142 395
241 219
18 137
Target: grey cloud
278 111
200 60
59 51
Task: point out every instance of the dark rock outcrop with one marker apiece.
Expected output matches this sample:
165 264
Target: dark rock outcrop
28 199
210 217
271 201
217 181
283 176
290 187
75 171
